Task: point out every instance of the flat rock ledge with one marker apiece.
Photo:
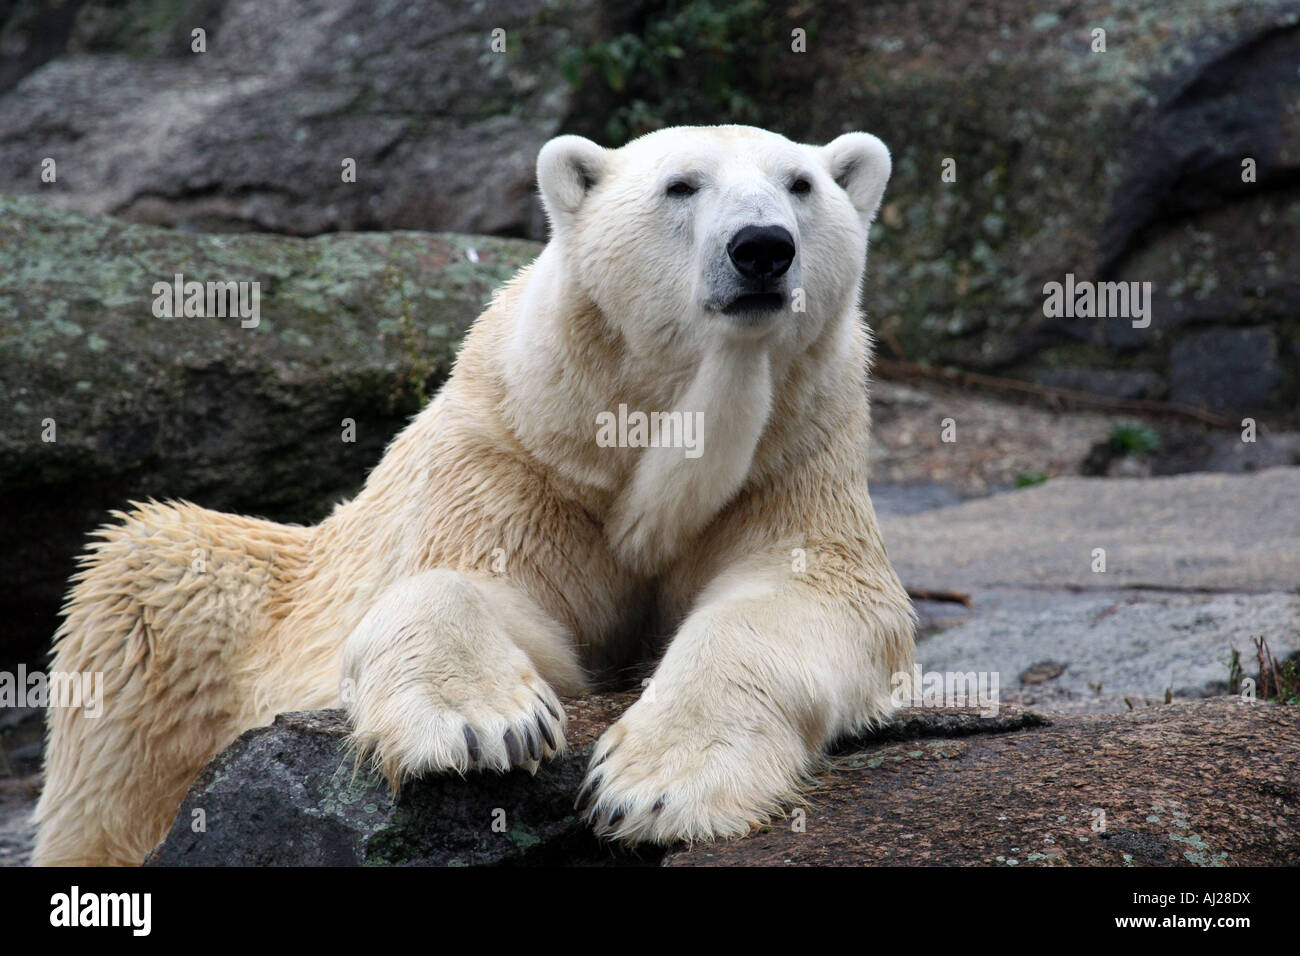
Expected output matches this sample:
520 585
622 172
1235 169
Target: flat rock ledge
1211 782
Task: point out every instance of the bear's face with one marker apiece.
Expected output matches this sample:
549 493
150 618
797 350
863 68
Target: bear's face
691 234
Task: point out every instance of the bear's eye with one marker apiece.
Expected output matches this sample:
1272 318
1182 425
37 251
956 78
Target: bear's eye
680 188
801 187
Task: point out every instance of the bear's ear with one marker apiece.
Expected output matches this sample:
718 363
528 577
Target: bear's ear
860 163
567 168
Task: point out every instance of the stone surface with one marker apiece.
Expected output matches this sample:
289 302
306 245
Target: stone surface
995 442
1207 783
1186 532
1226 452
1125 164
1114 650
18 797
22 733
1113 383
1204 783
291 795
1197 566
252 133
352 327
1226 370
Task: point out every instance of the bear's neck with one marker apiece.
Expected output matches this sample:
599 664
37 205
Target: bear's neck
658 455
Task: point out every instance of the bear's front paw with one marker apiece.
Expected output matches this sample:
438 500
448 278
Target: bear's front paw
659 776
460 725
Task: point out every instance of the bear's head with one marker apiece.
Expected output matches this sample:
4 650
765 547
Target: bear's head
689 234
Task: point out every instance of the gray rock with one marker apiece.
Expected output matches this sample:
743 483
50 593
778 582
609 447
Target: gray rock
1226 370
1124 165
1110 646
360 327
893 499
1226 452
22 733
1186 532
1196 567
1113 383
252 134
291 794
17 831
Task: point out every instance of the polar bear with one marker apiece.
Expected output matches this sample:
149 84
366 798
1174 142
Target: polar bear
500 556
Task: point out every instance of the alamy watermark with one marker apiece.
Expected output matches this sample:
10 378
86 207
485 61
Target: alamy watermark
1083 299
56 689
946 689
626 429
214 300
131 911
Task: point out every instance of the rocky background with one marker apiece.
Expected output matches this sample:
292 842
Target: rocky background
1128 164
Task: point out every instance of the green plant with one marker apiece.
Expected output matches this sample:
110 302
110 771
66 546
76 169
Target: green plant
1135 439
1278 681
421 367
1031 478
689 62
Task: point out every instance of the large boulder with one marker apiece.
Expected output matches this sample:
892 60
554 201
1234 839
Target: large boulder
252 134
1209 783
1123 163
294 794
1104 594
1196 532
280 420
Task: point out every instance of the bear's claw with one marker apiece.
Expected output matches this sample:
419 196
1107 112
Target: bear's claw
471 743
659 776
447 734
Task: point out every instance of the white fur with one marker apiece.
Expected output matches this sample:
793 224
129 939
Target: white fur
498 556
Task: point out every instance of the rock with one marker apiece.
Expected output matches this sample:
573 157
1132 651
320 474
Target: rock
22 732
1204 783
22 736
252 133
894 499
1110 646
1186 532
291 795
1226 370
1113 383
352 327
1125 164
1197 566
1042 672
1167 786
18 797
1226 452
917 462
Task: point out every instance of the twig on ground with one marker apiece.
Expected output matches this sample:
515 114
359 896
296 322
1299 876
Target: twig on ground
926 594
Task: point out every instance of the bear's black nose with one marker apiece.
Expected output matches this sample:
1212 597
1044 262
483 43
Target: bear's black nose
762 252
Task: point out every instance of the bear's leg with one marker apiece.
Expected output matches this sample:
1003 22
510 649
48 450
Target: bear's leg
449 671
164 615
763 674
